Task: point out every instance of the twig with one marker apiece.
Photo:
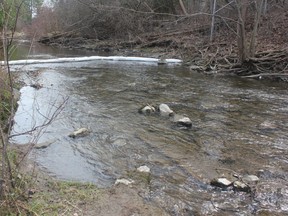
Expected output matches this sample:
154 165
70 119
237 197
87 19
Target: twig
49 120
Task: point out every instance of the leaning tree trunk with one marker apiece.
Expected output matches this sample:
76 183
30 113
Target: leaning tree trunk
183 8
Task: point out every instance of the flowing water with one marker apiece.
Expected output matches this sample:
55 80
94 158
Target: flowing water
239 125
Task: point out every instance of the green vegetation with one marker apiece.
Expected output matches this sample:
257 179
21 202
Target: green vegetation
29 197
63 198
140 177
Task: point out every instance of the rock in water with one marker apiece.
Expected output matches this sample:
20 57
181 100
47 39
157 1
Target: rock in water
182 121
124 181
221 182
144 169
162 61
165 110
240 186
148 109
79 133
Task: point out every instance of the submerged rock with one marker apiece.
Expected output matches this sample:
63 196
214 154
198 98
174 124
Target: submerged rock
148 109
124 181
267 125
44 145
79 133
144 169
165 110
182 121
221 182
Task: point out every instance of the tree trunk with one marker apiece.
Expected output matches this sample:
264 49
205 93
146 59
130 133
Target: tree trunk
253 42
213 20
265 7
183 7
241 34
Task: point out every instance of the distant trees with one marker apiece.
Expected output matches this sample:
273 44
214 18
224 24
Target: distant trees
127 19
22 10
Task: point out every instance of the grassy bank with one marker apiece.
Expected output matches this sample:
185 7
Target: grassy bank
35 193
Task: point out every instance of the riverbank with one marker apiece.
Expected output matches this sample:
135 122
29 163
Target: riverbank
38 193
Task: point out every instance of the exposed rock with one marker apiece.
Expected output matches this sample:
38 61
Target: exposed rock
250 178
221 182
238 185
144 169
182 121
79 133
162 61
148 109
124 181
36 86
165 110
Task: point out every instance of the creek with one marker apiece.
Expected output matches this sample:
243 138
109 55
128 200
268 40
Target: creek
239 125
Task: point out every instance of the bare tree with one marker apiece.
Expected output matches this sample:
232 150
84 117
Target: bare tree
241 7
183 8
213 20
253 41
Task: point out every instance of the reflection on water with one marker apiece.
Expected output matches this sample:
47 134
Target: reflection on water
28 50
238 125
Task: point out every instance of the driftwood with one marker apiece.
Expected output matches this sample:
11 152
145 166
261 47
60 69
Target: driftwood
272 64
269 64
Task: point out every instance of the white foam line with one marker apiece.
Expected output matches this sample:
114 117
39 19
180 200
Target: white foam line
91 58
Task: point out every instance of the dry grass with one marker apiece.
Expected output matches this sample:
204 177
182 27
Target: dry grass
5 96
